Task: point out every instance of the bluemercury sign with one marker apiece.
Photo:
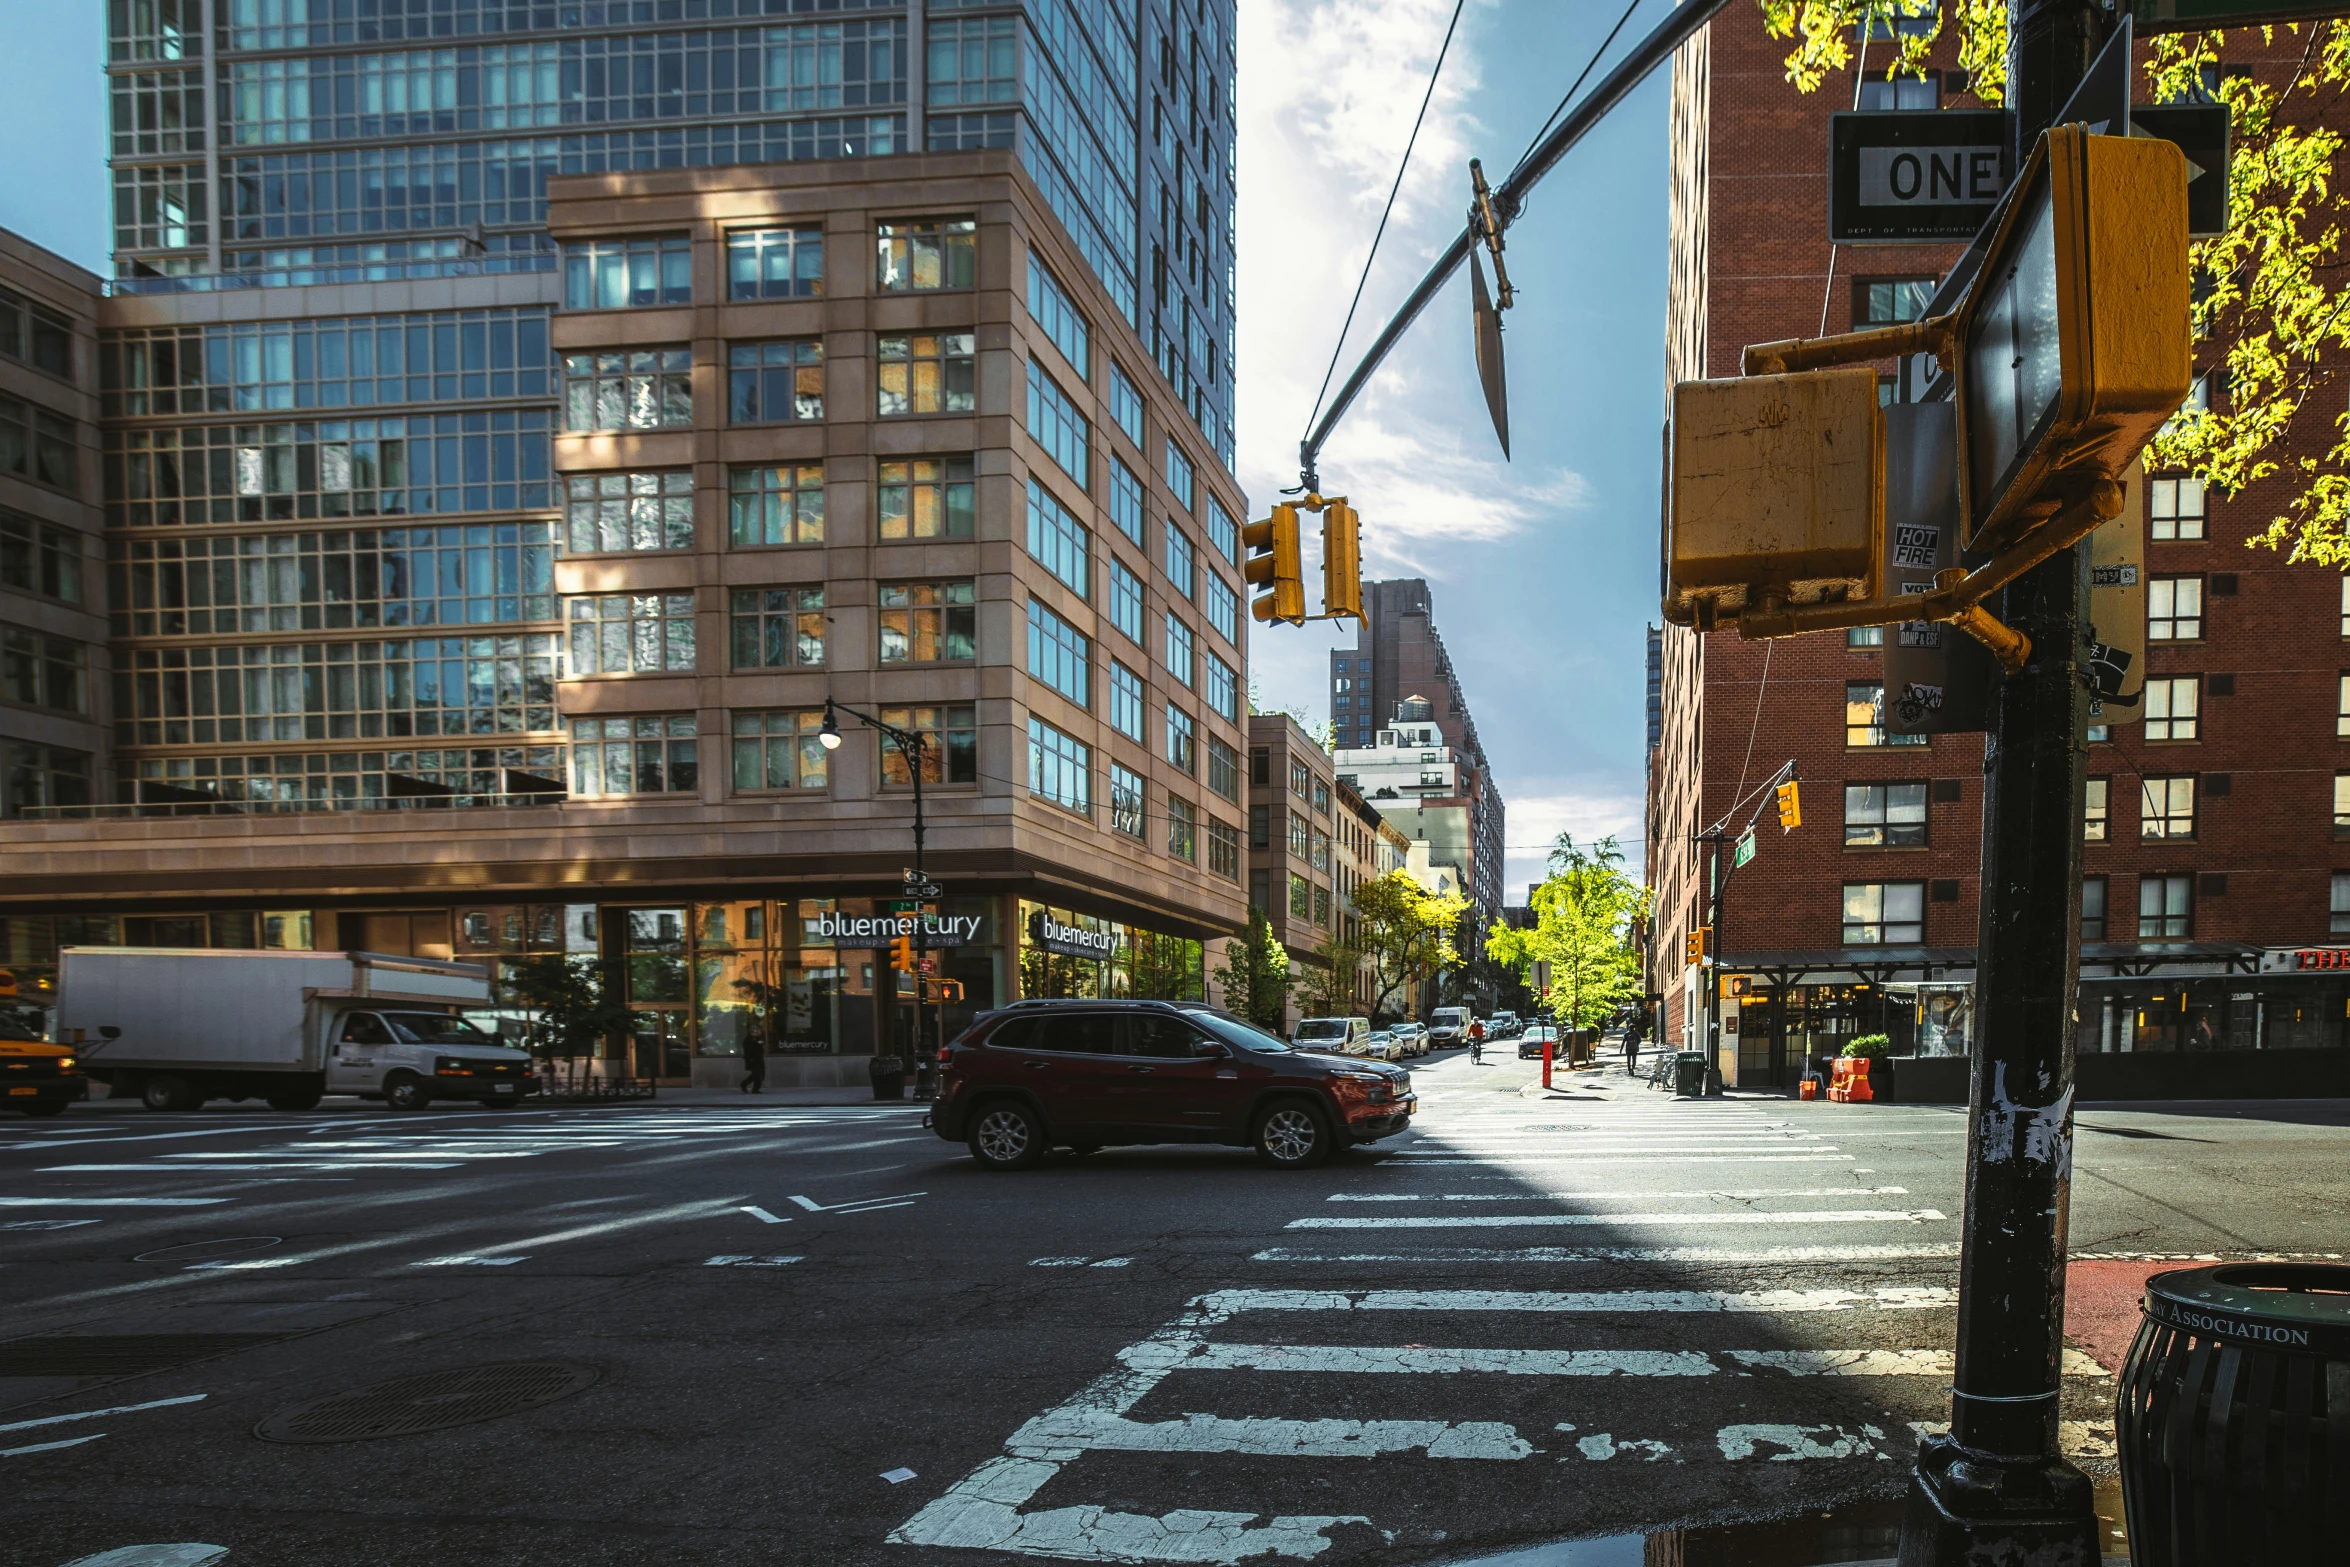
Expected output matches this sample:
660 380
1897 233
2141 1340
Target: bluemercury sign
1070 941
879 930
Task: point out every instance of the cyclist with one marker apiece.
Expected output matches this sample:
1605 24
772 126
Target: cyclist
1476 1044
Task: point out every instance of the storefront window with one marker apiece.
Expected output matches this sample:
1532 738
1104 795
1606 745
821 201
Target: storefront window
1139 963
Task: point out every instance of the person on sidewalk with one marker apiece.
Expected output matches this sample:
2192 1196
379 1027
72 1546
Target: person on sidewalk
754 1064
1632 1050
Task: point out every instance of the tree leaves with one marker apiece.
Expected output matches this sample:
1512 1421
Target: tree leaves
1583 914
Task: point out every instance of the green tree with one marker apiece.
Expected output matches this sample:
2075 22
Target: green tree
1327 987
575 1004
1407 934
1163 968
2274 294
1255 976
1584 912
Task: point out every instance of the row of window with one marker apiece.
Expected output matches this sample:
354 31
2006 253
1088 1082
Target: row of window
1893 913
32 333
1060 770
919 255
38 445
39 557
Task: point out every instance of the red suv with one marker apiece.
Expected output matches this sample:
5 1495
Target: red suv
1083 1075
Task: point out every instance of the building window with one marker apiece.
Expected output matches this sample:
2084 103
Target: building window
1052 311
1126 813
161 208
1180 662
1055 424
1182 830
1905 92
1884 816
928 622
1223 688
779 751
1224 609
2166 907
1126 406
2342 713
1126 501
1059 768
1223 850
778 504
1322 907
1182 740
36 335
394 689
777 628
1126 601
1864 716
2174 609
927 498
1864 636
774 383
631 633
625 274
36 444
2093 908
1260 889
2338 908
1301 780
1890 301
1056 539
2166 808
1223 769
2095 817
974 61
1884 913
38 558
642 755
1182 561
610 512
160 112
775 263
1260 768
637 389
1223 536
950 749
1059 654
1301 897
41 775
1179 475
1321 851
2171 708
44 671
1260 827
1301 836
926 373
922 254
1126 701
2175 508
2342 805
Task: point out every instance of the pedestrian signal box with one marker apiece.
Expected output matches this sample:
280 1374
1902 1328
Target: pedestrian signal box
1790 806
1698 943
901 954
1342 561
1273 563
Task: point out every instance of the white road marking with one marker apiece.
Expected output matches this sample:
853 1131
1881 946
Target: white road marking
859 1204
48 1224
761 1214
100 1414
186 1554
112 1202
50 1447
1401 1159
468 1262
751 1262
1416 1359
1058 1262
1481 1221
222 1169
1101 1432
1602 1446
1620 1196
1800 1442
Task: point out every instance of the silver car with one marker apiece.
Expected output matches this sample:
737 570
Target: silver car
1381 1045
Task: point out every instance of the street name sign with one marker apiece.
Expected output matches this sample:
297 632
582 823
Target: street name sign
1914 177
1745 850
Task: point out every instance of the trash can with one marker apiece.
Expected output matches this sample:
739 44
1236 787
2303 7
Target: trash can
889 1077
1689 1074
2233 1416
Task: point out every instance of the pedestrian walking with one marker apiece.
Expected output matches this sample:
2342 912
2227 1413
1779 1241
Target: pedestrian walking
754 1064
1632 1050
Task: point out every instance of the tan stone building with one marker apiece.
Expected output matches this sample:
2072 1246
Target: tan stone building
862 430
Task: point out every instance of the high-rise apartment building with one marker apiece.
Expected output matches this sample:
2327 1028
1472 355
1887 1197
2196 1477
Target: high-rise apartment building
1400 657
2215 900
533 413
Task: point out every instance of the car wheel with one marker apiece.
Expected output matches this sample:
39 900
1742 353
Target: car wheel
1293 1136
299 1099
169 1093
403 1091
44 1107
1007 1136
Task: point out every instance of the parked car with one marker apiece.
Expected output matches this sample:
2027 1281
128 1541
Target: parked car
1339 1035
1504 1025
1537 1035
40 1077
1086 1075
1380 1045
1412 1036
1448 1026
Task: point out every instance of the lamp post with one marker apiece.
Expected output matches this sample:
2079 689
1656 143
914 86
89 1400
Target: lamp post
915 749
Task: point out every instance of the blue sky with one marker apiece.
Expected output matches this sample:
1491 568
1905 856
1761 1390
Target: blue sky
1544 569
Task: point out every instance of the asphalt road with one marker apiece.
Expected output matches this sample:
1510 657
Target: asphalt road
1596 1313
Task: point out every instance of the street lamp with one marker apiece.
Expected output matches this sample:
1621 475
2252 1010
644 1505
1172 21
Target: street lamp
914 747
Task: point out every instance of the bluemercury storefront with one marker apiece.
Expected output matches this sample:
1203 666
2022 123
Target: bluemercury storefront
1067 953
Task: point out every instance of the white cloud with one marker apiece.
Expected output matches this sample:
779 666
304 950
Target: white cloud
1590 813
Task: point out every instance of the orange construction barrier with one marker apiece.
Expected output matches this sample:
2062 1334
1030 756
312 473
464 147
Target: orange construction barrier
1851 1081
1809 1088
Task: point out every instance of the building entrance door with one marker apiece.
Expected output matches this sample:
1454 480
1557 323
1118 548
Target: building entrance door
658 1046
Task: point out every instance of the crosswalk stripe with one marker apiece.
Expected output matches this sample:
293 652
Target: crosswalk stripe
1231 1302
1418 1359
1618 1196
1489 1221
221 1169
1728 1256
1399 1157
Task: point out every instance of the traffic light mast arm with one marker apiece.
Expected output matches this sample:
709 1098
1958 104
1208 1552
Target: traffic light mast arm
1936 335
1673 30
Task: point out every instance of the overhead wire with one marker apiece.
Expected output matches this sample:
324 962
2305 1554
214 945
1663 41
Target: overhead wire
1426 98
1574 88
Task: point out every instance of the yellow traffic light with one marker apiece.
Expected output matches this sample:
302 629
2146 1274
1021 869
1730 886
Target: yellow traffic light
1698 942
901 954
1276 567
1790 807
1342 561
2074 346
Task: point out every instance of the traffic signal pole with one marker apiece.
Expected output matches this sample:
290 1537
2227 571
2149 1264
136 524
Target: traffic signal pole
1997 1488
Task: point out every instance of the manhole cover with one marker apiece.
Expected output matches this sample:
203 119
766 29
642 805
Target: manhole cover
431 1401
199 1251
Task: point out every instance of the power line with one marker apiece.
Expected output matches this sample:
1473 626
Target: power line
1340 346
1575 87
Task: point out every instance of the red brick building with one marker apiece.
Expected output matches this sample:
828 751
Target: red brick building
2214 887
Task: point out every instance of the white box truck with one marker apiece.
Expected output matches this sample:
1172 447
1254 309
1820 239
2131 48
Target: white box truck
178 1026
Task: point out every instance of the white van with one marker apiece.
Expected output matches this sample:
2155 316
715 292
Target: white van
1333 1036
1448 1026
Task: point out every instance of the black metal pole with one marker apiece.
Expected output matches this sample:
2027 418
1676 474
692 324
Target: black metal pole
926 1059
1997 1488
